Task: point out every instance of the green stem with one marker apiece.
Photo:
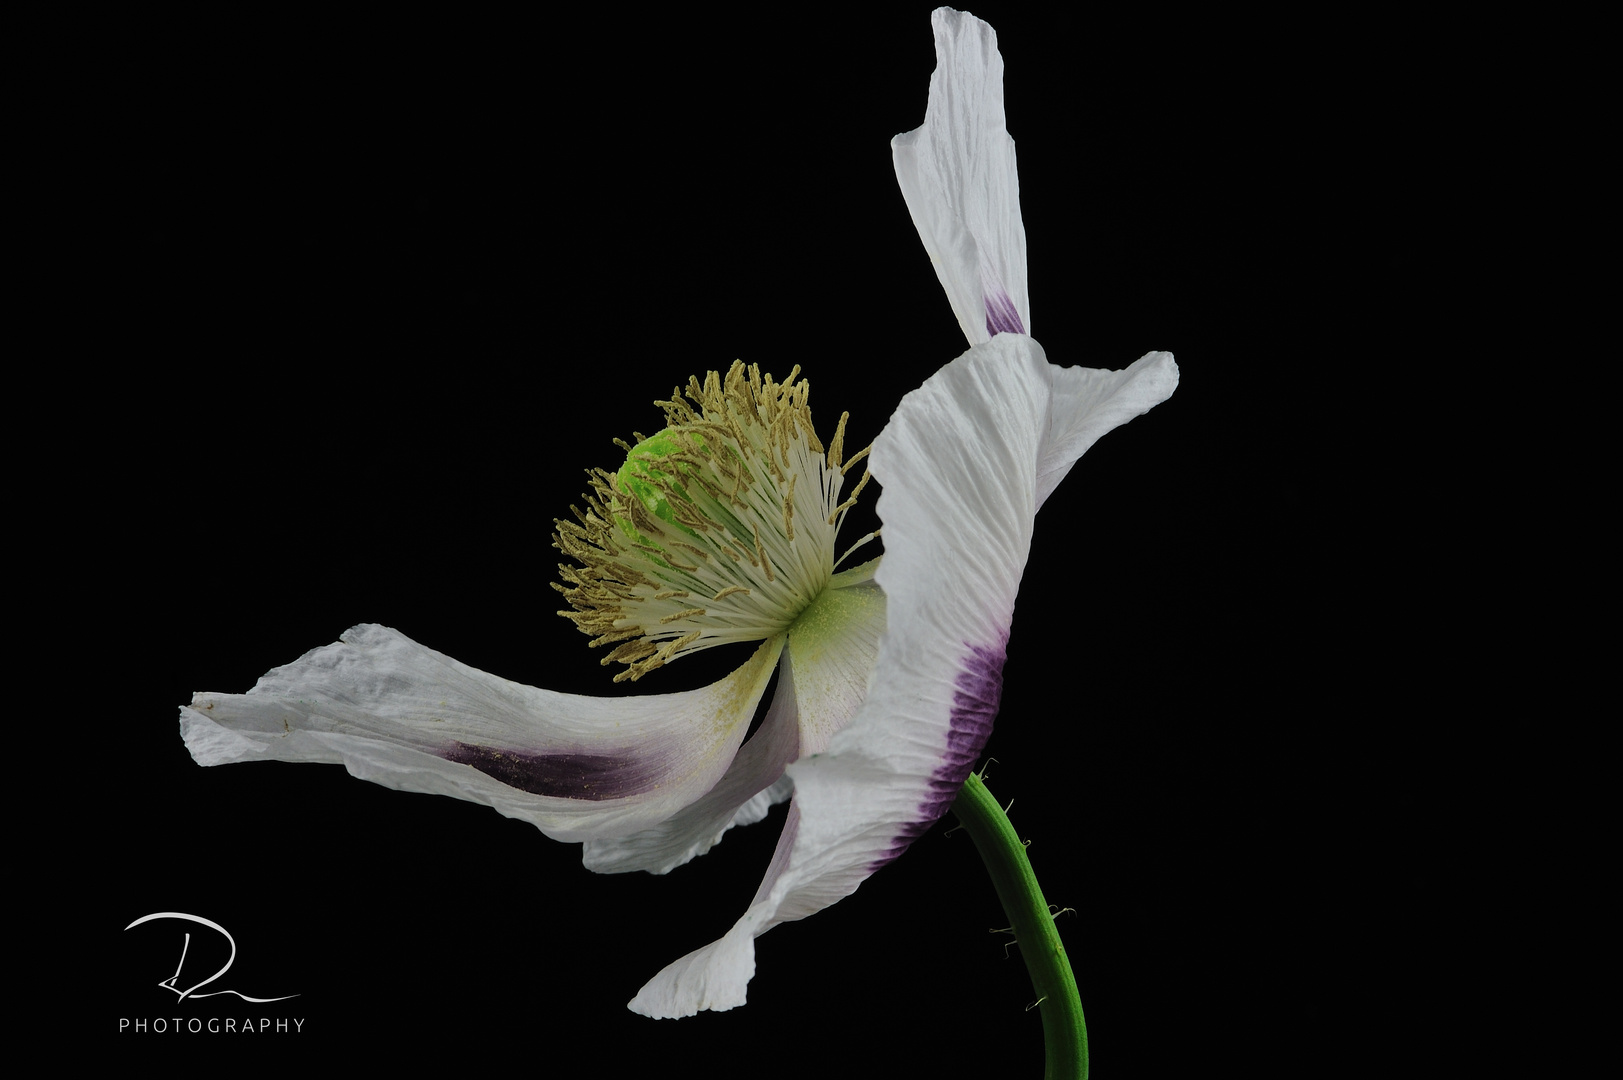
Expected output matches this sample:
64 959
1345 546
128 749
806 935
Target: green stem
1064 1032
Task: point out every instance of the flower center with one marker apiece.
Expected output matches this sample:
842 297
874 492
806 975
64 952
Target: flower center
719 528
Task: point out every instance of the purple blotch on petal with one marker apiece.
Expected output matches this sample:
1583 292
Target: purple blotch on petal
592 777
1001 316
978 690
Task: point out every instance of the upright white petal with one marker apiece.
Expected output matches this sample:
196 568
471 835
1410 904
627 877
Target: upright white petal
958 175
961 463
407 717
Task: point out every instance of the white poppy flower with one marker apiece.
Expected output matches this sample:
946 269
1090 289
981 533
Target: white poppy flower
722 528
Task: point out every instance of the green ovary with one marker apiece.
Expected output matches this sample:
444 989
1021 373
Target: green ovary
637 477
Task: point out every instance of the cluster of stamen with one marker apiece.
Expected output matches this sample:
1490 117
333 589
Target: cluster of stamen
719 528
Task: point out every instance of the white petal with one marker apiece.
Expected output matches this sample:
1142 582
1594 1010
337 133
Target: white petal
823 678
960 463
717 976
741 798
1087 402
411 718
958 175
714 977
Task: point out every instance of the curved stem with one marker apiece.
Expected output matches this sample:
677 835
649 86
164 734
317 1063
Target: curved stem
1064 1032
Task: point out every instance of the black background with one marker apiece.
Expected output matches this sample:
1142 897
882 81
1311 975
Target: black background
367 295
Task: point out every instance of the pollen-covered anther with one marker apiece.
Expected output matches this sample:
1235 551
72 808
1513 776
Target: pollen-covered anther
735 499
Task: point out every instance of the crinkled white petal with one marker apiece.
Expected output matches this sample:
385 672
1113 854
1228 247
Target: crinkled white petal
961 464
958 175
821 682
408 717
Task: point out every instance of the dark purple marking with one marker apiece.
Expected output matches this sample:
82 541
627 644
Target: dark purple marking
1001 316
593 777
978 691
